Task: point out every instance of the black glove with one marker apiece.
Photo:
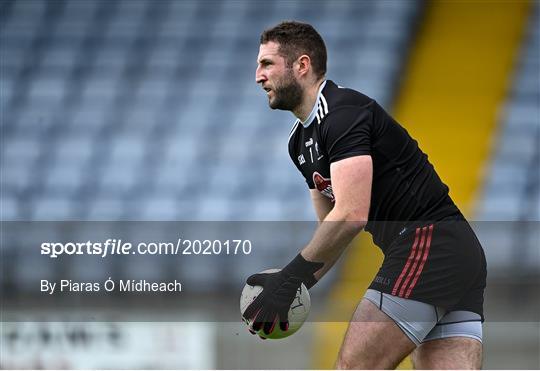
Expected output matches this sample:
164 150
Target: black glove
279 290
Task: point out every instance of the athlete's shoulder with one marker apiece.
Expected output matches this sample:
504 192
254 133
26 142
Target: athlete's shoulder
294 130
338 97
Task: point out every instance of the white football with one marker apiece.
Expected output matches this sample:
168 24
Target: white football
298 311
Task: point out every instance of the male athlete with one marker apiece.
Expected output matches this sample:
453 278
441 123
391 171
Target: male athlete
364 171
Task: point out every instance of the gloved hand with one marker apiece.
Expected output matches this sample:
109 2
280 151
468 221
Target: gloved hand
272 304
279 290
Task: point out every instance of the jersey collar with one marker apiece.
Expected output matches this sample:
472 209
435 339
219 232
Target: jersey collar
313 113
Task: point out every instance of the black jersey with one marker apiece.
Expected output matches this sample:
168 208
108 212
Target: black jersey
405 188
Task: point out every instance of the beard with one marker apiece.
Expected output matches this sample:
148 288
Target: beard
288 93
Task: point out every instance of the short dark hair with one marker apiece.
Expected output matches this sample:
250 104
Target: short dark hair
295 39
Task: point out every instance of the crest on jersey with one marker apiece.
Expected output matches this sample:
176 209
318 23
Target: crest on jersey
323 185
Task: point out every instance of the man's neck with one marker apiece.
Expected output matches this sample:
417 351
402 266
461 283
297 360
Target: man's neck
310 97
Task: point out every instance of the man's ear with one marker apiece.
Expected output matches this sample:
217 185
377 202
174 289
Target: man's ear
303 64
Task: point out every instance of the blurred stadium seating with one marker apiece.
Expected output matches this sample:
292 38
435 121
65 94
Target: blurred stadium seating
148 110
512 188
511 192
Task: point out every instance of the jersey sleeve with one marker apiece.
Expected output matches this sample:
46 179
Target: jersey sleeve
347 133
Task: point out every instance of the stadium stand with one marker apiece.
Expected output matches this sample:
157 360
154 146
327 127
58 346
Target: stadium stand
512 187
511 193
142 110
133 110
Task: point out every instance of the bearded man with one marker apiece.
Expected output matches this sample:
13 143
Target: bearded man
364 171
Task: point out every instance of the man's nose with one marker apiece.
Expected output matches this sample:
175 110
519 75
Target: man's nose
259 76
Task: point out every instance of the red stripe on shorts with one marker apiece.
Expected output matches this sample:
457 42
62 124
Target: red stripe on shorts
409 260
424 258
415 264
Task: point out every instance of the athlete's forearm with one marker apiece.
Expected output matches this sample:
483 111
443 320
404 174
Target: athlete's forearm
331 238
321 204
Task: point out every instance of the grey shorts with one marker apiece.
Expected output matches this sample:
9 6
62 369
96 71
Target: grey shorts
423 322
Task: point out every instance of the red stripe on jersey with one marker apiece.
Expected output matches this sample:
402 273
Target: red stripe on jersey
415 264
424 258
409 260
